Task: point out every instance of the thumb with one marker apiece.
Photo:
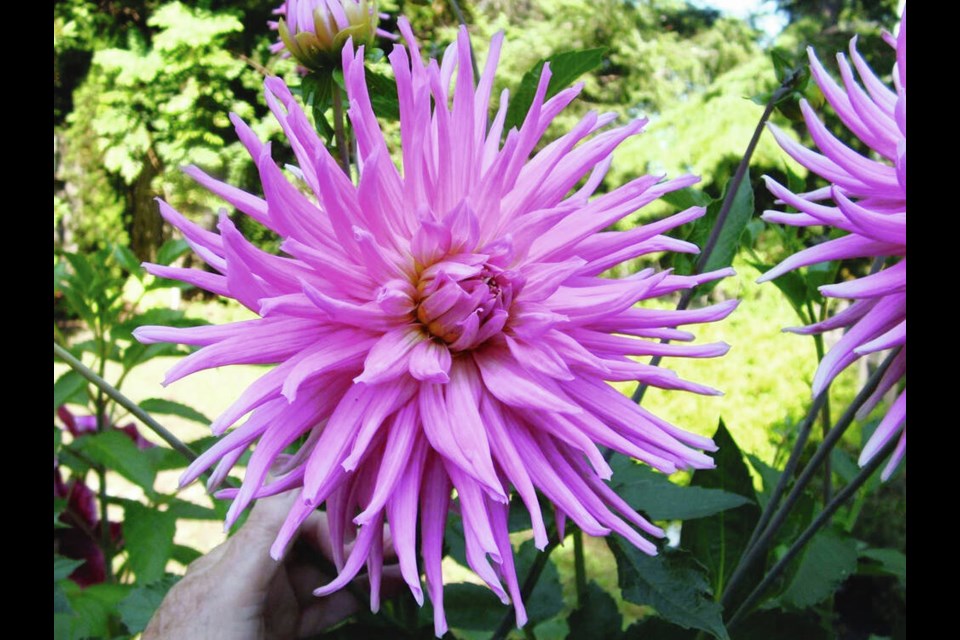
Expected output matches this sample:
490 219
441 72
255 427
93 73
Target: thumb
248 552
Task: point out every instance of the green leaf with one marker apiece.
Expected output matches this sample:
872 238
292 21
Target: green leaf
826 562
565 67
148 534
383 96
784 625
171 250
60 602
184 555
718 541
653 493
137 608
92 607
820 274
741 212
59 504
114 450
470 606
768 475
673 583
63 567
128 261
686 198
189 511
793 286
69 388
598 618
171 408
546 599
891 562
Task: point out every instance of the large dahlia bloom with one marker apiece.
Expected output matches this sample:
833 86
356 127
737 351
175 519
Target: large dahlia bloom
442 328
867 198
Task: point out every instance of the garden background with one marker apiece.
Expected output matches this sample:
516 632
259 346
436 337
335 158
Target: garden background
142 88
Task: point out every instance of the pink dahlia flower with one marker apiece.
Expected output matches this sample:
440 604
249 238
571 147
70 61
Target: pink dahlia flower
442 328
867 198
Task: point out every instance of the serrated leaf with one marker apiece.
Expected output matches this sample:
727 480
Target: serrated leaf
673 583
598 618
686 198
891 562
741 212
69 388
827 561
728 242
718 541
653 493
172 408
92 607
565 67
137 608
114 450
63 567
148 535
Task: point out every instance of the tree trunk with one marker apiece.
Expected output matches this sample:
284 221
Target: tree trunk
146 225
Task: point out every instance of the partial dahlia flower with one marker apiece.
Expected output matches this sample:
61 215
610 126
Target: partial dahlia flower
442 328
867 198
314 31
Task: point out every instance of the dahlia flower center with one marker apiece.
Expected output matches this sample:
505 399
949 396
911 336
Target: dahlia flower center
465 304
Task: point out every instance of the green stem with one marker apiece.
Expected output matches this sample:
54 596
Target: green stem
539 563
339 129
763 533
825 423
811 530
580 568
732 189
108 390
473 58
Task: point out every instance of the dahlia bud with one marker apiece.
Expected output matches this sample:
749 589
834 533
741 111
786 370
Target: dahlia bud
314 31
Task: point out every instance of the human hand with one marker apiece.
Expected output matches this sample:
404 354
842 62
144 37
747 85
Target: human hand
238 592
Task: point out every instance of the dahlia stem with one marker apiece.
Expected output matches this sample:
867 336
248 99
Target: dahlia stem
818 523
339 130
763 535
473 58
539 563
579 566
724 213
825 422
107 389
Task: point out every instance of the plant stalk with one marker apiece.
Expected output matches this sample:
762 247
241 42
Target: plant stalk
107 389
758 549
818 522
724 213
579 566
539 563
339 130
